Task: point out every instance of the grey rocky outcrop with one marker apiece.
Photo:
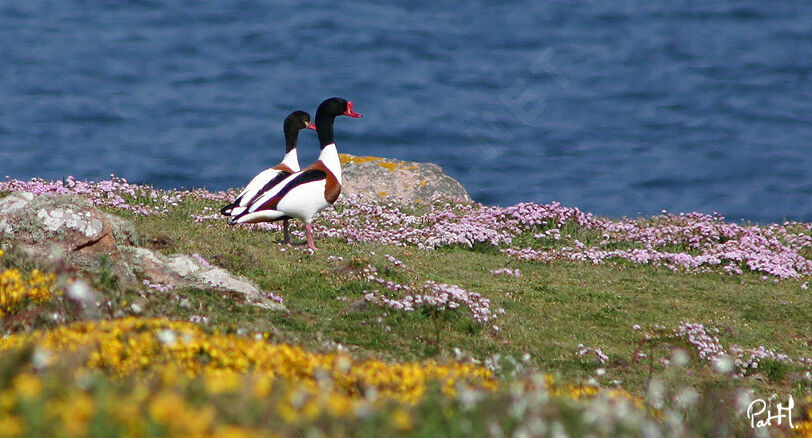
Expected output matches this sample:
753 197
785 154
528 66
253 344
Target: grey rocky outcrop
50 227
67 231
409 181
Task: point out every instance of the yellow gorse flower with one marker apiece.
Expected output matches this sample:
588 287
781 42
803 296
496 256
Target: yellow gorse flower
401 419
27 385
11 425
17 289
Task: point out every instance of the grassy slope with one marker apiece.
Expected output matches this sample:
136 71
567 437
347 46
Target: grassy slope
549 310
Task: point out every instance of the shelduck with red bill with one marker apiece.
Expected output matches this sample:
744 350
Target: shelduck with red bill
305 193
269 178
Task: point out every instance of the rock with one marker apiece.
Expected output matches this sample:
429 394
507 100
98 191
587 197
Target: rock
180 270
383 178
50 227
67 231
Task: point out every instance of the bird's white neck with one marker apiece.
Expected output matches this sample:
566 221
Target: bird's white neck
292 160
329 156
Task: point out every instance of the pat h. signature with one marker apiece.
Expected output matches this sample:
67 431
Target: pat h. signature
760 413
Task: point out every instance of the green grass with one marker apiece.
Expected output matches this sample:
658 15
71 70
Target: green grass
549 310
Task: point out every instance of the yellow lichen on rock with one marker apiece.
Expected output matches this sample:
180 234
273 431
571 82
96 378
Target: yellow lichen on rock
347 158
389 165
386 164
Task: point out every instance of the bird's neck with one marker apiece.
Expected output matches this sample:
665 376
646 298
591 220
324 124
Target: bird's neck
292 159
324 129
329 156
291 138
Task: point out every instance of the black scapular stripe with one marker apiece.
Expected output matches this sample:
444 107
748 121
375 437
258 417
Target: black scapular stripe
303 178
226 211
270 184
276 180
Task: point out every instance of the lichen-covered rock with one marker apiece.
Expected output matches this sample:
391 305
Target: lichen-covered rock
51 227
180 270
382 178
68 232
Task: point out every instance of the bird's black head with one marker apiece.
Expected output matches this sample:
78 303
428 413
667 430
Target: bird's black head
326 114
295 122
298 120
336 106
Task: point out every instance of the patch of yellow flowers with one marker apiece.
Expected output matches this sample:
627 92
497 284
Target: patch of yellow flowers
124 346
300 386
65 408
88 405
17 289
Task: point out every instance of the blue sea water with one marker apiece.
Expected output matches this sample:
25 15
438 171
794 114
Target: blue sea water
619 108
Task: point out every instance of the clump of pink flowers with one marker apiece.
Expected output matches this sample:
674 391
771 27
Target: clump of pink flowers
705 342
436 297
439 297
507 272
116 192
707 345
387 222
748 359
693 242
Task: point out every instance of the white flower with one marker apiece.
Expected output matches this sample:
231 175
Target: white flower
81 292
679 357
41 358
686 397
723 365
168 337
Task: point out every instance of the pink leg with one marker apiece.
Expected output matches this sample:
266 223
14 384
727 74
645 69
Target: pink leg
310 243
285 225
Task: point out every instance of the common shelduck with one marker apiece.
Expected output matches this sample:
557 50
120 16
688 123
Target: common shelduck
305 193
270 177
